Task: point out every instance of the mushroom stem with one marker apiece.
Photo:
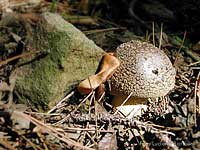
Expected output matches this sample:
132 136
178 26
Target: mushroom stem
109 64
118 100
129 106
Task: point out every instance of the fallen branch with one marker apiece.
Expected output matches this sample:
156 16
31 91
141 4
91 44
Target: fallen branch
115 120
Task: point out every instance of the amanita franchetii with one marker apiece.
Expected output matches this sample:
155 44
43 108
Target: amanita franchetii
137 70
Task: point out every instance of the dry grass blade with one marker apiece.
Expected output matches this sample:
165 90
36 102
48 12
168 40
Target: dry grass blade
161 34
181 46
17 57
100 30
87 129
124 103
51 131
35 147
153 30
60 102
64 119
6 145
194 63
197 94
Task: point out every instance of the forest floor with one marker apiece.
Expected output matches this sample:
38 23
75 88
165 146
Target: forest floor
82 122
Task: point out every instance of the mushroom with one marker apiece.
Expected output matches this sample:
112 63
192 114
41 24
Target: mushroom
144 72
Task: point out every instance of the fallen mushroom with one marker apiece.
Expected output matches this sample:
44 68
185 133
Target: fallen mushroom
108 65
144 72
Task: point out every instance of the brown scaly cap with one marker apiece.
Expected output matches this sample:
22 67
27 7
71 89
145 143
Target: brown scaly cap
145 70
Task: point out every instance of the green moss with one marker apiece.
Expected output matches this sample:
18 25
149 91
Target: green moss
41 80
71 57
46 79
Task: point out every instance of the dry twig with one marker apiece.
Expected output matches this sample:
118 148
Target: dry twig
51 130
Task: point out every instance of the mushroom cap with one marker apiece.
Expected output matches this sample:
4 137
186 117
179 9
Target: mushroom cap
145 71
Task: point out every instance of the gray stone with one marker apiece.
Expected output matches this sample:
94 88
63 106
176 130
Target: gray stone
70 57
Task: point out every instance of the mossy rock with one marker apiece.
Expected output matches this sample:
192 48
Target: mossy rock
70 57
